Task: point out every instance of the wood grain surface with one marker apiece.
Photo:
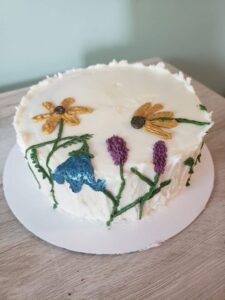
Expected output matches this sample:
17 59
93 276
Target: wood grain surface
189 266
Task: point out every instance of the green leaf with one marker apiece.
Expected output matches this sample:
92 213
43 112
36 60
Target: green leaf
164 183
36 163
202 107
84 150
189 162
198 159
142 176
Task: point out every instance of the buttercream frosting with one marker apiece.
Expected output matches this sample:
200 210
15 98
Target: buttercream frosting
115 91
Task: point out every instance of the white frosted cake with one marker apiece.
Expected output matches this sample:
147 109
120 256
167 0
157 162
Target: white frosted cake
112 142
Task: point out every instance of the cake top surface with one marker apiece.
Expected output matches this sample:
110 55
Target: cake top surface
115 92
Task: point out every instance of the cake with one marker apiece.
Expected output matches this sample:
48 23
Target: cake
112 142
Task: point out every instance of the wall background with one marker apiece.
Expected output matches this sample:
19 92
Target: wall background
44 37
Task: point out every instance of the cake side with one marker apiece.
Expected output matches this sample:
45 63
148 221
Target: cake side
115 92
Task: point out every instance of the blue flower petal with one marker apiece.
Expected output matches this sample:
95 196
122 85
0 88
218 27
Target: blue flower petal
58 177
77 170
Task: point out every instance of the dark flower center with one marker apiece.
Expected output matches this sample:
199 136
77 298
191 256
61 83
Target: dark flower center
59 110
137 122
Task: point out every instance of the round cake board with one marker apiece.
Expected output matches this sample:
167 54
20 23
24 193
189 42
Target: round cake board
54 226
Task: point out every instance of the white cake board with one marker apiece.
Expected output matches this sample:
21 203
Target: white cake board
34 211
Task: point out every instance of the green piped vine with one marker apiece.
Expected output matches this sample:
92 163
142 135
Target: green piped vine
202 107
191 163
142 177
183 120
118 151
57 143
115 199
78 164
142 199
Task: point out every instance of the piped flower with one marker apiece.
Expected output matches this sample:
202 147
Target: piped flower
154 187
118 150
64 111
77 170
159 157
148 117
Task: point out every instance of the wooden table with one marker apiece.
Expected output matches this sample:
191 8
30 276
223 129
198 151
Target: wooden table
189 266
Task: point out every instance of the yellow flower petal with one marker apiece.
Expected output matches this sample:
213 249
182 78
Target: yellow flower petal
49 106
50 125
42 117
67 102
163 114
69 116
142 109
79 110
157 130
153 109
70 119
164 123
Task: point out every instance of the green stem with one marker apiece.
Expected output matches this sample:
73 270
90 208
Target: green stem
68 138
84 150
72 141
143 198
35 177
38 166
192 163
61 123
110 196
116 200
139 200
122 185
151 190
142 177
115 205
182 120
141 207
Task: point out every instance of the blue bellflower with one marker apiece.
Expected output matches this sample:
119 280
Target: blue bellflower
77 170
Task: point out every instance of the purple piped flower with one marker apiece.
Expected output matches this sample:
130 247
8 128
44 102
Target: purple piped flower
159 156
118 149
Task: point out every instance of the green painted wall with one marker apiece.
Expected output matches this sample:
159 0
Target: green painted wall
46 36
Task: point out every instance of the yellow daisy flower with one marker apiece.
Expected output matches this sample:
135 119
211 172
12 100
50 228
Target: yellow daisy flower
148 117
64 112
